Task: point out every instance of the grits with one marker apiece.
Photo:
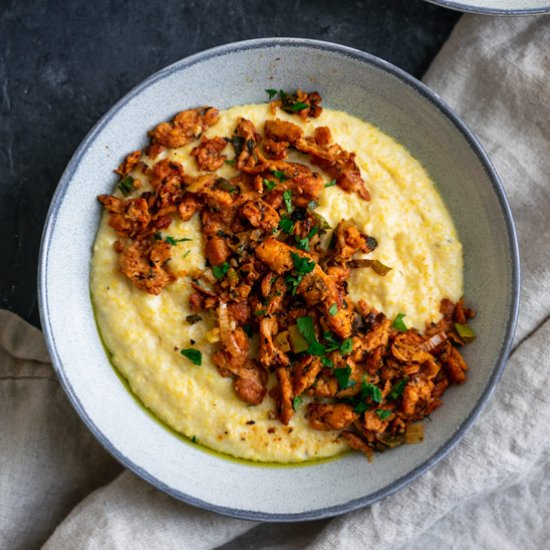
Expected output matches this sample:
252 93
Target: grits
145 332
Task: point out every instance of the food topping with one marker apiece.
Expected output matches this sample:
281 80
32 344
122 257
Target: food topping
276 271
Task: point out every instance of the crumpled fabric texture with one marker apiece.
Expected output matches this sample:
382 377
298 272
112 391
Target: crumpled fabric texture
58 486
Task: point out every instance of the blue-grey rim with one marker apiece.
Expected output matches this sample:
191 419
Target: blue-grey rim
420 88
459 6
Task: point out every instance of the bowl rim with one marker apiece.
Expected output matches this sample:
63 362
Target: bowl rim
460 6
405 78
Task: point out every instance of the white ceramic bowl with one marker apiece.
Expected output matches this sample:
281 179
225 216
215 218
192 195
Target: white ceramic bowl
236 74
497 7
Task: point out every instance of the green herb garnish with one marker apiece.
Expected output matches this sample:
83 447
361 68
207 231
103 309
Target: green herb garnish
346 346
398 389
194 439
220 270
399 324
248 330
303 244
287 225
331 344
296 402
269 184
231 162
302 265
360 408
271 93
330 184
279 175
372 391
333 310
186 254
174 242
298 106
383 413
343 377
313 232
126 185
287 197
259 312
326 362
307 328
194 355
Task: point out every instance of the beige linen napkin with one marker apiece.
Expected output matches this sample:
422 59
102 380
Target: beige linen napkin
491 491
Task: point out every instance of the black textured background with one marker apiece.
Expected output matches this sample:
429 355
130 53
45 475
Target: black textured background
63 64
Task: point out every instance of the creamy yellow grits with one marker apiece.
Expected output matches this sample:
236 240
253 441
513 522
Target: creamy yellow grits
144 333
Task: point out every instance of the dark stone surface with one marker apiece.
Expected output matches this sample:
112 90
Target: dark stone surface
63 64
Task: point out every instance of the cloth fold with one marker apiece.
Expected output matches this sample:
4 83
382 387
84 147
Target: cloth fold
491 491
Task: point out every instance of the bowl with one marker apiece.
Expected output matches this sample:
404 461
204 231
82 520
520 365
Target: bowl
238 73
497 7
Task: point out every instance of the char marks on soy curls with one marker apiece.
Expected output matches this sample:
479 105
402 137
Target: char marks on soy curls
278 270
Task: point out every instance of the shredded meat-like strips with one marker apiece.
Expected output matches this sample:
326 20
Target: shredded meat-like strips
276 269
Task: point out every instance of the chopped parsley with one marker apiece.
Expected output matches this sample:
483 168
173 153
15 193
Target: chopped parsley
126 185
271 92
269 184
343 377
286 224
333 310
372 391
287 198
296 402
361 407
231 162
398 389
194 355
317 349
186 254
174 242
383 413
307 330
302 265
279 175
331 183
220 270
194 439
298 106
259 312
398 322
346 346
303 244
331 344
326 362
313 232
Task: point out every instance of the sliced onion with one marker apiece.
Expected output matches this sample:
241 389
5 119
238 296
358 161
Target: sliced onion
380 268
433 342
414 434
226 334
363 262
377 266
